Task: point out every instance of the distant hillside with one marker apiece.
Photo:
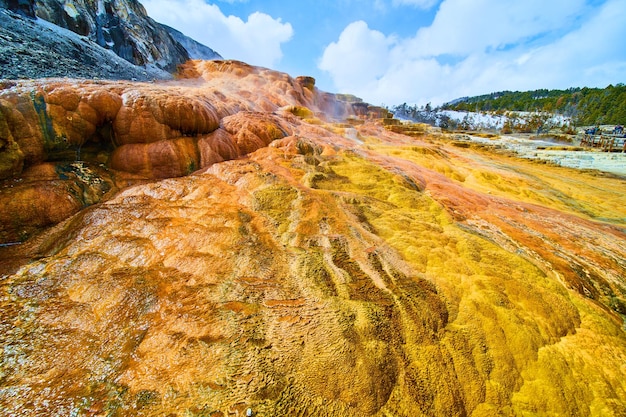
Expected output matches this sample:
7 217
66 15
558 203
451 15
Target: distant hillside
586 106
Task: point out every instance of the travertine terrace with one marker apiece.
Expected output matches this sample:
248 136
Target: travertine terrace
237 239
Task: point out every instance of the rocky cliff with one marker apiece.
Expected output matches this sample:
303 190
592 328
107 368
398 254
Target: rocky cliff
73 39
260 244
35 48
120 25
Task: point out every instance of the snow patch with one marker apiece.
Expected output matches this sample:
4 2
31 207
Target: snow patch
485 120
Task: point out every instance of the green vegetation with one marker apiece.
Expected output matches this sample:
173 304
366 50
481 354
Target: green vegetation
587 106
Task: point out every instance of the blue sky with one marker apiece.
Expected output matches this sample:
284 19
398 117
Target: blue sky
415 51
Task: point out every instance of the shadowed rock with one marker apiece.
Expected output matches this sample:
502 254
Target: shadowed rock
122 26
89 39
35 48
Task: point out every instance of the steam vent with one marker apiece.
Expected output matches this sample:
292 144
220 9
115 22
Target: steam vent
236 242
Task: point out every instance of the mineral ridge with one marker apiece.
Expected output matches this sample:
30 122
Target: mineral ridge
237 239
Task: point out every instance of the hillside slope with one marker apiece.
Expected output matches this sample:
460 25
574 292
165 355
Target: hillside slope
195 49
90 39
34 49
307 264
122 26
587 106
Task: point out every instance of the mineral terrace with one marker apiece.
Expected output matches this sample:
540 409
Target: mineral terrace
237 239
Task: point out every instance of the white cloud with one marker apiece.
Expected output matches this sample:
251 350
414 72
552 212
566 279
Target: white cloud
256 41
422 4
481 46
357 45
462 26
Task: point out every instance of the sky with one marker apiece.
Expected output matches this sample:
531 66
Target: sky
391 52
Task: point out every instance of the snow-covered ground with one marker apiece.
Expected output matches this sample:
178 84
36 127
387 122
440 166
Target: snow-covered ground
483 120
476 120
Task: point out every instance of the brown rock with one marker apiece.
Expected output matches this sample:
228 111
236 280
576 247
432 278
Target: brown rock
103 106
31 207
48 193
216 111
11 157
140 120
252 131
217 147
306 82
163 159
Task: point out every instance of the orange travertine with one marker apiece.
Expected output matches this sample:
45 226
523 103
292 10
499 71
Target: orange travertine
237 239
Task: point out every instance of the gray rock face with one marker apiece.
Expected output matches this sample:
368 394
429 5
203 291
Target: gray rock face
32 48
120 25
195 49
112 39
23 7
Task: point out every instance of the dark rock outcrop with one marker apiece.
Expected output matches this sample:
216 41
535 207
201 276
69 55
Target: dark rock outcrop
120 25
111 39
22 7
32 48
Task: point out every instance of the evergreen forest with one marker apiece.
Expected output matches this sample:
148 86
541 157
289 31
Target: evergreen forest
586 106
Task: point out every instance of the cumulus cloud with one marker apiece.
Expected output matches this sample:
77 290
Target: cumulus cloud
357 44
483 46
256 41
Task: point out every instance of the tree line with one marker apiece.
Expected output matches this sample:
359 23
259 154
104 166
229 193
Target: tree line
586 106
507 121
